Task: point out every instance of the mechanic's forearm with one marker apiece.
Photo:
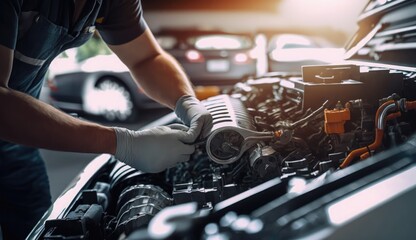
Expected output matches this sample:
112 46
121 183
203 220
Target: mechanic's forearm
28 121
163 79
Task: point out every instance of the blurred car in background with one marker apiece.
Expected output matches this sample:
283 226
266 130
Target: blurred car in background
289 52
99 85
211 57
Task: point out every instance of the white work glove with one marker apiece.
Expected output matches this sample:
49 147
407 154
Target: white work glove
155 149
194 114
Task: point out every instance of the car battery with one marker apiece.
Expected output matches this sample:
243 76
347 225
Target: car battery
312 95
340 83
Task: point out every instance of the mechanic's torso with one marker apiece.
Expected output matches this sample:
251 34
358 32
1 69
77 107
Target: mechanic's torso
47 28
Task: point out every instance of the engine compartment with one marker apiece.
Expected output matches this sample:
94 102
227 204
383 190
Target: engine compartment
271 137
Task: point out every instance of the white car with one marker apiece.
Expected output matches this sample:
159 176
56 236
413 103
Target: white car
289 52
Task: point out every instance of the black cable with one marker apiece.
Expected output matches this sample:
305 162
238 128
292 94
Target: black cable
369 151
307 118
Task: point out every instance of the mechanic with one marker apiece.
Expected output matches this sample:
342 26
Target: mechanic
33 33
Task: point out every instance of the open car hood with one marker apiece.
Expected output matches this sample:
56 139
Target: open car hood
386 34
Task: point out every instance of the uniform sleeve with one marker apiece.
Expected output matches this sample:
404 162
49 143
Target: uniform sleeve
123 23
9 22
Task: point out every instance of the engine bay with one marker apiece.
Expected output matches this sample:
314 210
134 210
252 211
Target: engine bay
273 137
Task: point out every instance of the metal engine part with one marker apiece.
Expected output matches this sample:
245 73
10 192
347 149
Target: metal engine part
264 160
138 204
233 131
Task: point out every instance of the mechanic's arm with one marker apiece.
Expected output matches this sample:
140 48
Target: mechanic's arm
158 73
28 121
163 79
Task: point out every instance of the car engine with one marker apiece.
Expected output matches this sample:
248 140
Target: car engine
327 153
276 128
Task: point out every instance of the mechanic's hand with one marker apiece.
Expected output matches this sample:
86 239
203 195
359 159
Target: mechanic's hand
155 149
194 114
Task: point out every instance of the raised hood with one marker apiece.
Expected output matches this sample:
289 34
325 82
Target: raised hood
386 34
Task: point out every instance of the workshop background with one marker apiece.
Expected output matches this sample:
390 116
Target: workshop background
333 19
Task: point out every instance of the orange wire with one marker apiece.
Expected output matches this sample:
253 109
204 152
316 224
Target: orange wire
360 151
378 138
381 108
409 106
393 116
389 117
363 152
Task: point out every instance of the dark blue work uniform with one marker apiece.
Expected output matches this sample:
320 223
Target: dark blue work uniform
38 31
